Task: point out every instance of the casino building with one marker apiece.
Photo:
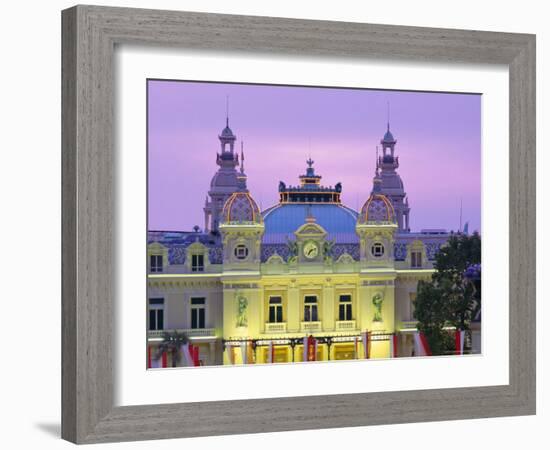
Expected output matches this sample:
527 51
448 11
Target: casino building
257 286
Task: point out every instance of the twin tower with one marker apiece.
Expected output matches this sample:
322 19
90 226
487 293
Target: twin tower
229 199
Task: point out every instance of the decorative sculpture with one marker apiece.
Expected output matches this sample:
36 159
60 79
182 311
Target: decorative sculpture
377 301
242 313
292 250
327 249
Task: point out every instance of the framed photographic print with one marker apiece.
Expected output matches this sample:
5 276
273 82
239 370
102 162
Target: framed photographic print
256 209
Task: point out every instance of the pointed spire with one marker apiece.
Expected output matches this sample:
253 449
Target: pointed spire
377 159
388 136
227 110
242 157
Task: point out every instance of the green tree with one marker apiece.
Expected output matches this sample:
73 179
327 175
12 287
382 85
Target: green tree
171 344
432 311
448 299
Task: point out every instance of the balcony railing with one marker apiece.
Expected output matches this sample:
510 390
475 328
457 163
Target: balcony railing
345 325
275 327
190 332
311 326
409 324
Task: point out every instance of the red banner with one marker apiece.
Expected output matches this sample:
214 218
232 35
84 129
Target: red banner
394 347
424 342
195 354
366 343
311 356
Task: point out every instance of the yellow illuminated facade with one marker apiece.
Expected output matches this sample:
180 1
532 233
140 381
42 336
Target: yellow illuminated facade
254 286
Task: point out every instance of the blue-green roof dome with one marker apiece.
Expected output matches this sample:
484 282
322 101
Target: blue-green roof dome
281 221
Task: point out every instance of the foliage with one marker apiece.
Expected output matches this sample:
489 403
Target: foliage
171 344
450 298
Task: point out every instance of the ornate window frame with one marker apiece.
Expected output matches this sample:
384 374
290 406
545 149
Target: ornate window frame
196 248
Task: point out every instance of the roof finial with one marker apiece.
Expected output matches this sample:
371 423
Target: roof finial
310 162
310 218
242 157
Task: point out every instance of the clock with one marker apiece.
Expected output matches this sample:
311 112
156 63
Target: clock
311 250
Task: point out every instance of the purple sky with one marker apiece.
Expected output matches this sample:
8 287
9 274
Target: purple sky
438 144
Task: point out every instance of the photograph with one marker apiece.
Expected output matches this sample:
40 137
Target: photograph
292 224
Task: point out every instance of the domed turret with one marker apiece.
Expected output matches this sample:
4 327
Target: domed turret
377 209
225 181
388 182
241 208
227 133
242 228
388 137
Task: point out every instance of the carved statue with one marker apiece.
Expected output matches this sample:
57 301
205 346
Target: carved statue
292 249
242 313
377 301
338 187
282 186
327 249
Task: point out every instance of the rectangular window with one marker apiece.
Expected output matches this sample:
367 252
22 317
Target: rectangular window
344 308
156 263
310 309
156 314
198 312
275 310
197 263
416 259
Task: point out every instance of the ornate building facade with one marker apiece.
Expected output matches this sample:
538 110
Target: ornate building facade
307 279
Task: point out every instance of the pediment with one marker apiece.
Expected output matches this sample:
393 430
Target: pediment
275 259
156 247
196 247
345 258
310 230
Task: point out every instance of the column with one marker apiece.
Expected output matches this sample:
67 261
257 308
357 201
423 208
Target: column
328 308
293 309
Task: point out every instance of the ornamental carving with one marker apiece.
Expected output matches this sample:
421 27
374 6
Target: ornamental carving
377 300
242 311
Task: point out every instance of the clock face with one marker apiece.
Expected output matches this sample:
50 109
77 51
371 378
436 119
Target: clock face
311 250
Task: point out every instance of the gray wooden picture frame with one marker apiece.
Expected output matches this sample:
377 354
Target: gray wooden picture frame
90 34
